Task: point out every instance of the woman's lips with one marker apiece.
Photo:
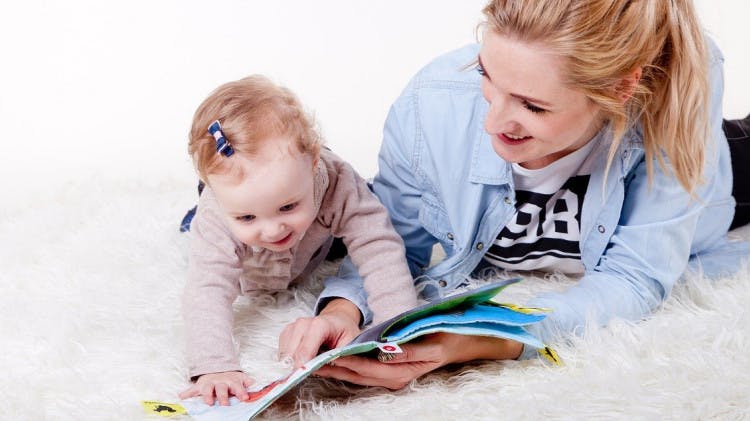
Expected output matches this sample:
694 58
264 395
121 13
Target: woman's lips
512 140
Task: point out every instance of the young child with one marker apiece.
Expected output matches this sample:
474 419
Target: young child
273 202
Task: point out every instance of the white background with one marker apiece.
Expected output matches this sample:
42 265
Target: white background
107 89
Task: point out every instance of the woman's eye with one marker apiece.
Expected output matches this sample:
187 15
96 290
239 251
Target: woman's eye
245 218
289 207
533 108
480 70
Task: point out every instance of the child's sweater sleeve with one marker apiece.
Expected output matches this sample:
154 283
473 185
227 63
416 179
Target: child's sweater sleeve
375 248
214 270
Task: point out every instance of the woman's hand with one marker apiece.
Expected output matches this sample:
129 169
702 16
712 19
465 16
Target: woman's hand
222 385
335 326
418 358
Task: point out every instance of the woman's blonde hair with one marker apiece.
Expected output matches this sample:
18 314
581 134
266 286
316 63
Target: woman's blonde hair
604 41
251 111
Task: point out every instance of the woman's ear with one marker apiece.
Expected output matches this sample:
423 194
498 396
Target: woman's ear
626 87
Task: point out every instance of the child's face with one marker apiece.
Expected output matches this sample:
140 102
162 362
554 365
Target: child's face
272 205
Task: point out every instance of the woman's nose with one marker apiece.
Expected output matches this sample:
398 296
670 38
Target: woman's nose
501 116
496 116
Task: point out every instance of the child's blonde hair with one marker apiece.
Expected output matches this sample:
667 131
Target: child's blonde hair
602 42
250 110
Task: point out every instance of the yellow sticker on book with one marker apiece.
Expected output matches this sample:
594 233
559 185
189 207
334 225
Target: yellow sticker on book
550 355
163 409
525 310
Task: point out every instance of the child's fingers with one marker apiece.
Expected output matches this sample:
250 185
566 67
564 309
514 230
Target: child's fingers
207 391
219 387
222 393
189 392
238 390
208 399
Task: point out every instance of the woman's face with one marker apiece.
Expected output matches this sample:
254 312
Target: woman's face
533 119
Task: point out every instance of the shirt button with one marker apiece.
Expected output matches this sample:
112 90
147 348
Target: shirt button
450 235
442 283
601 229
507 200
480 246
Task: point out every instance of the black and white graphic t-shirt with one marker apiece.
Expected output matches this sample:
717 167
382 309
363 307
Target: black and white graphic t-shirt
545 232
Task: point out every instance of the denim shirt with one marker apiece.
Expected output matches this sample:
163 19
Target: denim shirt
443 184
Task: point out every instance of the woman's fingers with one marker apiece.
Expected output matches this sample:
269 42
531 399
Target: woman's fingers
302 339
416 359
315 334
370 372
291 337
393 380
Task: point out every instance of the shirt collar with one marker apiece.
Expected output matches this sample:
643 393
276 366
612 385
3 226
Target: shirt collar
486 165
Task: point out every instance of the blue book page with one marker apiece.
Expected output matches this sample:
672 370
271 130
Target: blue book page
478 313
495 330
463 300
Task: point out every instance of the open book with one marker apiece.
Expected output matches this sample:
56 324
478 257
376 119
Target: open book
469 313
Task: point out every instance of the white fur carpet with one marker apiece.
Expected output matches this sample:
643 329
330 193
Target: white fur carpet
92 276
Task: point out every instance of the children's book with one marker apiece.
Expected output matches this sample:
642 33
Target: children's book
469 313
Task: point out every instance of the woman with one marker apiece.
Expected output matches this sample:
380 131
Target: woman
587 141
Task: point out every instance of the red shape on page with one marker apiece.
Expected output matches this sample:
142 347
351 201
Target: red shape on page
254 396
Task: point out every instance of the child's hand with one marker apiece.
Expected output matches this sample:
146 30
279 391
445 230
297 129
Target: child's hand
222 385
335 326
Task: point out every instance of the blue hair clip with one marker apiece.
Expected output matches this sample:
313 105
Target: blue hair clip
222 144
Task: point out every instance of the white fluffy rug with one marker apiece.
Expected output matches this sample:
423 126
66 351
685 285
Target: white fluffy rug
92 276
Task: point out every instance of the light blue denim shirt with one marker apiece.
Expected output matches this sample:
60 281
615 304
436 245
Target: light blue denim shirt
443 183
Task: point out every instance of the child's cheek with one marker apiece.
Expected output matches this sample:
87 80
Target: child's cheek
243 233
306 219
